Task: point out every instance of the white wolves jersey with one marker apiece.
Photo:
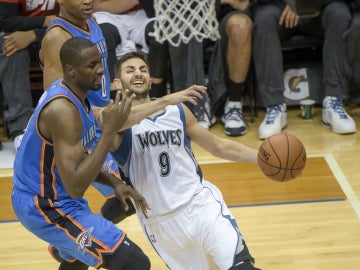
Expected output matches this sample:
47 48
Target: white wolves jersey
157 158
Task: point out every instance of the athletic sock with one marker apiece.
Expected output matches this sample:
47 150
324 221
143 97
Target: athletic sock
235 90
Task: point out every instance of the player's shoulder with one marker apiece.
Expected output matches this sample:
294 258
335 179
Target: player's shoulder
57 33
55 37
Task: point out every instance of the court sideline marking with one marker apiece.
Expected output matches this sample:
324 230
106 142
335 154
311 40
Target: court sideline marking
343 182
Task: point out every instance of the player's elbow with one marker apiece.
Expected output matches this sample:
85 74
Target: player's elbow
215 150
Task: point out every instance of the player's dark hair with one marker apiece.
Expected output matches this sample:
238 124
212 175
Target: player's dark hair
127 56
71 50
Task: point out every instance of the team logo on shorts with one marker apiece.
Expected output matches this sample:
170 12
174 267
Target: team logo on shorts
84 239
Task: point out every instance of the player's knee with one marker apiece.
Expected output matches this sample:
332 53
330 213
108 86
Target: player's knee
138 260
243 260
128 256
77 265
113 210
245 265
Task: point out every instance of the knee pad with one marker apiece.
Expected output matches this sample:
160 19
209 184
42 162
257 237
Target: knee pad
77 265
113 210
243 260
246 265
127 256
138 260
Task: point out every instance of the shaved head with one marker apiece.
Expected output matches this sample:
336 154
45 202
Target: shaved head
71 51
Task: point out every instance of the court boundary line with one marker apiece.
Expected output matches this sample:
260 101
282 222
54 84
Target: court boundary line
286 203
343 182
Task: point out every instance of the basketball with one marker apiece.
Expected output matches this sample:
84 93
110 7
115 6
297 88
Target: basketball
282 157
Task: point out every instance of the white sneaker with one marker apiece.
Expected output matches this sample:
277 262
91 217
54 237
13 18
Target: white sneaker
334 115
233 118
274 121
204 116
17 141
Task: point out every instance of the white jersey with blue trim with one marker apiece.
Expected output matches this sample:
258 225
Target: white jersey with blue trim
157 158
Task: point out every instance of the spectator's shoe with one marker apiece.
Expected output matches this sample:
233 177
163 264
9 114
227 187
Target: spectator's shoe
233 119
17 141
204 116
334 115
54 253
274 121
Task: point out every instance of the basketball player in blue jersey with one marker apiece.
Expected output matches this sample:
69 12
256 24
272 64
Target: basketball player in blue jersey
52 169
189 224
75 20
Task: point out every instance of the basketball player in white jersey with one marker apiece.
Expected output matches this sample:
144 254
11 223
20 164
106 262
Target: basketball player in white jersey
189 224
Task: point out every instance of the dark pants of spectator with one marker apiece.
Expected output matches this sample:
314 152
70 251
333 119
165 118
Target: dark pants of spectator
15 85
334 20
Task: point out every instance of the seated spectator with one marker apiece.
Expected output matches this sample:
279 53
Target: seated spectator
229 63
24 26
273 21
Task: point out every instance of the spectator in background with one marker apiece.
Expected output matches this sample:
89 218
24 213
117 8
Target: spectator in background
229 64
23 24
273 21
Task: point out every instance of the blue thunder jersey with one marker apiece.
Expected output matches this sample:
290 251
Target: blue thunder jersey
101 97
157 158
35 170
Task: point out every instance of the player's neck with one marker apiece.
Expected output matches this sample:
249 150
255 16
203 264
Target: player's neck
141 100
79 22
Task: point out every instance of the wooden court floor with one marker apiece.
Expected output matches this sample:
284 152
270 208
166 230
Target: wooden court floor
309 223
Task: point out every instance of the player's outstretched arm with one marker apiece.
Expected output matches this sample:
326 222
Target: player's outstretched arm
219 147
139 112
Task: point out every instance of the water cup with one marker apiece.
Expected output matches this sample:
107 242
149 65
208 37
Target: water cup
307 108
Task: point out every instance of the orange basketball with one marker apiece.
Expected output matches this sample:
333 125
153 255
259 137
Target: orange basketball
282 157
